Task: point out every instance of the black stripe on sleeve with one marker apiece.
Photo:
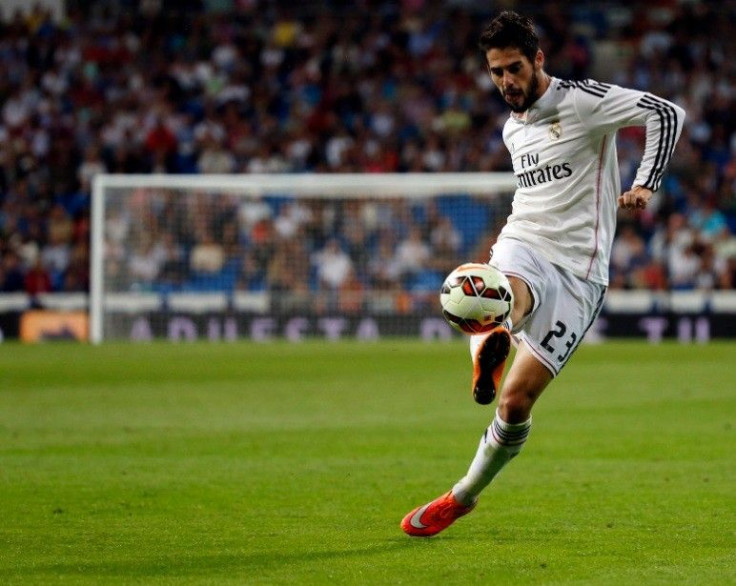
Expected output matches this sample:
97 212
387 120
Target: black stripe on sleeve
666 143
599 87
651 181
672 110
588 86
592 87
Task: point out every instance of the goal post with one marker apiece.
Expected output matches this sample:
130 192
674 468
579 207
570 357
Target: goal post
183 257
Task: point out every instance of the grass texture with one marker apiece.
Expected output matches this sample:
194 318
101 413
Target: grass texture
251 463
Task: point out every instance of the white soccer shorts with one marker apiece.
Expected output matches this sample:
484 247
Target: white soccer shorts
564 305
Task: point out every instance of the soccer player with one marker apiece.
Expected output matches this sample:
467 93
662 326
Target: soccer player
556 244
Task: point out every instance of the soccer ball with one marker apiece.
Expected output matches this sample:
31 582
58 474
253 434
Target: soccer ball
476 298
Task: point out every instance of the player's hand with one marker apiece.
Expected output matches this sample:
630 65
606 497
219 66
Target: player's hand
635 199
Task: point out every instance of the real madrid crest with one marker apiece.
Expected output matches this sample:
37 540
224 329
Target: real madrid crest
555 130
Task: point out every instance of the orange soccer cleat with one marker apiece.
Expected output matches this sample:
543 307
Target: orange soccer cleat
488 364
433 517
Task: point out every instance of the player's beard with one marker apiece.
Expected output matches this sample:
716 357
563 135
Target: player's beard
529 97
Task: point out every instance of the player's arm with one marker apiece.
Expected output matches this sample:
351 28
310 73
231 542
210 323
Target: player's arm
608 107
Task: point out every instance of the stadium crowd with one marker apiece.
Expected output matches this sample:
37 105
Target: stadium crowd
250 86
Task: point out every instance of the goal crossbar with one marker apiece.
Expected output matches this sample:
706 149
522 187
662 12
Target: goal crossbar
329 185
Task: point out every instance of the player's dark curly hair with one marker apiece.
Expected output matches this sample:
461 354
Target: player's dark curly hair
510 29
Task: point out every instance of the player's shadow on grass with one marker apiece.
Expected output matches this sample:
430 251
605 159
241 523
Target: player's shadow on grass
201 565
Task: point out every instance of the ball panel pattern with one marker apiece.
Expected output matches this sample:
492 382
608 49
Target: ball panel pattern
476 298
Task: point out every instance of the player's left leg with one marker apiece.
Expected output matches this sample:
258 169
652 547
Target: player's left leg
503 440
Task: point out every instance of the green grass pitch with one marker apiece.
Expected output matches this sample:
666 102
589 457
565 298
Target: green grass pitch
293 464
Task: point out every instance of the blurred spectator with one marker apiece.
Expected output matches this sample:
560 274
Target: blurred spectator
628 257
252 278
412 253
160 143
145 261
383 269
76 277
261 161
710 269
684 267
675 235
56 255
445 242
705 218
13 280
38 279
333 265
91 165
728 277
59 226
351 295
653 276
252 211
287 276
291 218
724 245
207 256
357 244
214 159
174 269
28 247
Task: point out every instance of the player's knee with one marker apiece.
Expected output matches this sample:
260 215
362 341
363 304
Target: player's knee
515 405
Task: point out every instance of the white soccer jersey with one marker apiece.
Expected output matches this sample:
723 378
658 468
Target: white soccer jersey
563 150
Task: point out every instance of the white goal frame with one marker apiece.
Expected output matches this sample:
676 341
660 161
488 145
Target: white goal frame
340 185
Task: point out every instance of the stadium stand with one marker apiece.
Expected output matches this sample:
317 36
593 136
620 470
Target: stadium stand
248 86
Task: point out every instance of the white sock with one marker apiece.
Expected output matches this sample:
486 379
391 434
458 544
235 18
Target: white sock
500 443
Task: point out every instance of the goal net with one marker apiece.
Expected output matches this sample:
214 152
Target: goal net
284 256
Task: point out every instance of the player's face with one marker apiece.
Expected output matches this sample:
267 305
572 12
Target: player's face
516 77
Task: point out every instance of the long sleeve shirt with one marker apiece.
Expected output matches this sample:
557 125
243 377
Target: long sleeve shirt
563 150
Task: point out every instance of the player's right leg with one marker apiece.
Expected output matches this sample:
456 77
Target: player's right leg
489 351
